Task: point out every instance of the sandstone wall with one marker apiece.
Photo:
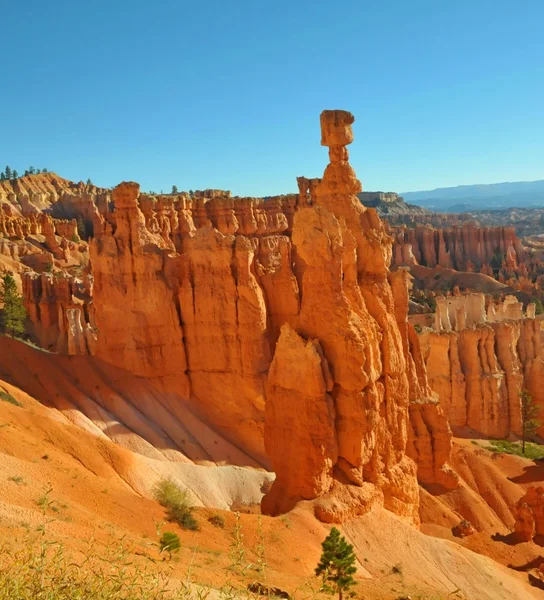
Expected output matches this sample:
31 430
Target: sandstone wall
479 371
467 247
60 312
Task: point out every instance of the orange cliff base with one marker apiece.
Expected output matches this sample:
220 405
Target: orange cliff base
279 322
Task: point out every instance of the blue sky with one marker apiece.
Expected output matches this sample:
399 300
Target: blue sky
227 93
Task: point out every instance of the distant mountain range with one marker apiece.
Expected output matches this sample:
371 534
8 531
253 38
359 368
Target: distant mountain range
480 197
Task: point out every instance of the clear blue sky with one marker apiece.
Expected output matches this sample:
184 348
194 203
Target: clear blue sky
227 93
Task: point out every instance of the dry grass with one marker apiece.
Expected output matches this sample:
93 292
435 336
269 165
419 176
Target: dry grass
42 570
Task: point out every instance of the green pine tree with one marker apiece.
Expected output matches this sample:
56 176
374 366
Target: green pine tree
14 175
81 228
8 172
89 182
13 314
44 170
169 542
2 176
174 189
529 421
337 563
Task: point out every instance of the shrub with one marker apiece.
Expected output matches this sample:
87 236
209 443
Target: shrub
178 505
169 542
217 521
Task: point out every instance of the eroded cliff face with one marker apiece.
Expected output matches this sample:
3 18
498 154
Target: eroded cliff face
464 248
33 194
60 312
496 252
479 369
278 322
201 322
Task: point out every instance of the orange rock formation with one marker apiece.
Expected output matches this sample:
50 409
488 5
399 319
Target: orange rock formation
60 312
529 514
461 248
279 321
478 362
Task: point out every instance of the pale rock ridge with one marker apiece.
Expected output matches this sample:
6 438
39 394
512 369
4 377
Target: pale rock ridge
50 193
457 312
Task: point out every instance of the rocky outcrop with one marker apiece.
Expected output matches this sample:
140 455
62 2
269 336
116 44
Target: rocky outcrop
42 231
304 446
493 251
349 340
529 515
391 206
51 193
429 434
60 312
479 361
459 311
66 228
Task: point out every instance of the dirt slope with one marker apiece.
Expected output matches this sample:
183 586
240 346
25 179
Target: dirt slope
102 488
92 496
115 404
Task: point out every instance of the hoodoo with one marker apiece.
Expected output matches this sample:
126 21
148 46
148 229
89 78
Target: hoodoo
278 322
347 437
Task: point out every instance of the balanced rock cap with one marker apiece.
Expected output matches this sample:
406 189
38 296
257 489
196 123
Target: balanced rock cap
336 128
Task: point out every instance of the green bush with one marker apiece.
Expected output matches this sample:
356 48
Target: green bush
169 542
178 505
